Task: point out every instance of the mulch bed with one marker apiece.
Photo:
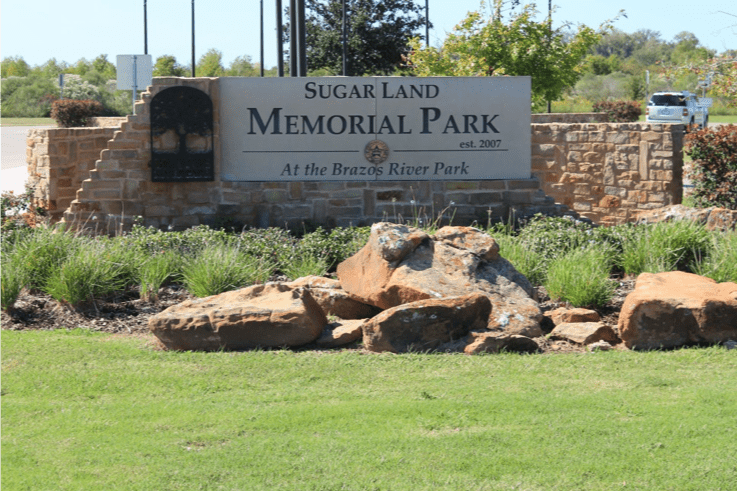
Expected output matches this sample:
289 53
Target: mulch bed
128 315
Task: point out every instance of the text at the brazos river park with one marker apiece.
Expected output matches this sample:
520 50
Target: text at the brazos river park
391 169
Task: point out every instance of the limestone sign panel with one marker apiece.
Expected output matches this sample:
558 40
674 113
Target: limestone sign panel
375 128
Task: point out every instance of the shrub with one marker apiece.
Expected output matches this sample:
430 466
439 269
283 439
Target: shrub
714 166
619 111
336 246
70 113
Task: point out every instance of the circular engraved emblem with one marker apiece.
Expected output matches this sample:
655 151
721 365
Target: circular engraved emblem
376 151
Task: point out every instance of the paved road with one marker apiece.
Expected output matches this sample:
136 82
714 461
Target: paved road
13 157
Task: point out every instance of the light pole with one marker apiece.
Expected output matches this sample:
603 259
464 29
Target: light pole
427 23
279 41
262 38
145 29
193 73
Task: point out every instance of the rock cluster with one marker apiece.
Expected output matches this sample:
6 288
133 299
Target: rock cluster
407 290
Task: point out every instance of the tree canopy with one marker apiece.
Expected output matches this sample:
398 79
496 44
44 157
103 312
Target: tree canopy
512 46
378 35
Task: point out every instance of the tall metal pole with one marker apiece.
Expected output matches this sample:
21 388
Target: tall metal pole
302 42
279 41
262 38
427 23
345 40
193 62
293 55
550 33
145 29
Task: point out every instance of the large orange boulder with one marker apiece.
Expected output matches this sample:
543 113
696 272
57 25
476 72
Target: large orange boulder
270 315
401 264
667 310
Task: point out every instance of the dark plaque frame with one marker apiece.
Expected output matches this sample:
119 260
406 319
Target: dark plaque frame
187 112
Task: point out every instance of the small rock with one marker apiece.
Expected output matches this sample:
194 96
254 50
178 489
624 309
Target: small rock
562 315
600 346
585 332
340 333
493 342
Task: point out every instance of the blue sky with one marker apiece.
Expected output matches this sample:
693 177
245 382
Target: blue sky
72 29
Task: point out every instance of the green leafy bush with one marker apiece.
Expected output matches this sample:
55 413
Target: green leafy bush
70 113
619 111
714 166
336 246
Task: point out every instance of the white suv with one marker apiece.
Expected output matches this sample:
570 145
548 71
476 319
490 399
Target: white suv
678 107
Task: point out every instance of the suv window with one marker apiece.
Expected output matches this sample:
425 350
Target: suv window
668 100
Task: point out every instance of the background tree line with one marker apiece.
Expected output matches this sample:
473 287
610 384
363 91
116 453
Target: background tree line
28 91
578 67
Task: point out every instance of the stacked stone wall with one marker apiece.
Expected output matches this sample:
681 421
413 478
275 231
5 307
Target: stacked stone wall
609 172
59 159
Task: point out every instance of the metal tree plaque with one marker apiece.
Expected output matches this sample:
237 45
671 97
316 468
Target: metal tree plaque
181 136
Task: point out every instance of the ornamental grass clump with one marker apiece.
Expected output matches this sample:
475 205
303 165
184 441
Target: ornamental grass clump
582 277
665 246
523 258
154 271
41 252
720 264
14 279
220 268
95 268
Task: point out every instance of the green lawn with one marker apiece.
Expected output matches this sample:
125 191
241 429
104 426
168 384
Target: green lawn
83 410
27 122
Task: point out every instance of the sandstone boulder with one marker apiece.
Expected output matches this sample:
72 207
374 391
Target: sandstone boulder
270 315
667 310
400 264
340 333
333 299
425 324
585 332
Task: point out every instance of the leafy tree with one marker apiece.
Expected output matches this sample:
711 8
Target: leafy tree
211 64
517 46
377 39
106 69
167 66
722 71
242 67
14 67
